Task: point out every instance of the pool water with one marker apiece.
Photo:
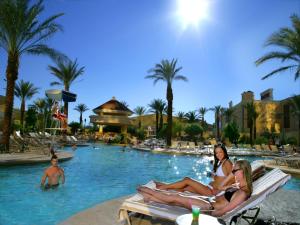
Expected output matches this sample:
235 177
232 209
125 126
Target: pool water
93 176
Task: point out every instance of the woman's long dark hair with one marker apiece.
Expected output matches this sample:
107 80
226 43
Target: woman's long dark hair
216 160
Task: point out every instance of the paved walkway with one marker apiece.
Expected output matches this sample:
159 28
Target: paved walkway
30 158
284 205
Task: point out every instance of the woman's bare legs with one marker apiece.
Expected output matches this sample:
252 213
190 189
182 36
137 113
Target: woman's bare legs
160 197
187 184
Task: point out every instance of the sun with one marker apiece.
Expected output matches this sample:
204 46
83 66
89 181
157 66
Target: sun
192 12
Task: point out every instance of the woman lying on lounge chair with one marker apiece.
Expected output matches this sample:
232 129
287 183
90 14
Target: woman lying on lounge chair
222 169
233 196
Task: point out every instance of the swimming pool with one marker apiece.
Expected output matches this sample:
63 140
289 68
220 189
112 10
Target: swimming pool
92 176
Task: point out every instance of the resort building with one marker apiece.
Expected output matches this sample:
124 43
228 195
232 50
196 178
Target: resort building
273 116
112 113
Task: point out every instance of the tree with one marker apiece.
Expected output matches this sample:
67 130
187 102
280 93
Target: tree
228 114
140 110
167 71
251 117
192 116
40 105
31 118
192 131
81 108
288 40
66 71
202 112
21 33
296 111
231 131
156 106
217 110
161 109
24 91
74 127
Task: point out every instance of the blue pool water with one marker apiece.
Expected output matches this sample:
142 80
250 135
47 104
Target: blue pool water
92 176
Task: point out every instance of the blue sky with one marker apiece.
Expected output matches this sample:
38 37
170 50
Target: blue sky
119 41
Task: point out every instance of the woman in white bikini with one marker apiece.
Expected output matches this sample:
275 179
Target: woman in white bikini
233 196
221 170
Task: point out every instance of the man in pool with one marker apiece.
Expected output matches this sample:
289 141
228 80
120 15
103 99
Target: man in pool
53 173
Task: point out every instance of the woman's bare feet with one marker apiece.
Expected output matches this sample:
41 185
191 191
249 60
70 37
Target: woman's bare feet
159 184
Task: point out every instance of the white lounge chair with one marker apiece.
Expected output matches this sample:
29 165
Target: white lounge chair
262 187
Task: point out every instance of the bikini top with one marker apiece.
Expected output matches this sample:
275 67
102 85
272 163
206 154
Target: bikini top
229 193
219 171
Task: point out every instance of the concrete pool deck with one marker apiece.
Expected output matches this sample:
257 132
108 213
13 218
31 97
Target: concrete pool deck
283 205
31 158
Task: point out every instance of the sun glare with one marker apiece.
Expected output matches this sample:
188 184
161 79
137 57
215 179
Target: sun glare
192 12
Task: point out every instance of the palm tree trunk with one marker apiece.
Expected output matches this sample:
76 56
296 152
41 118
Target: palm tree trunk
161 121
218 126
254 130
11 77
80 119
170 109
22 110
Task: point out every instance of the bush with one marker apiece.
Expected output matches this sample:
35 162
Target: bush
192 131
291 140
261 140
231 131
74 127
244 139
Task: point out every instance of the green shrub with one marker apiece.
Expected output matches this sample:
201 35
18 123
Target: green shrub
291 140
261 140
231 131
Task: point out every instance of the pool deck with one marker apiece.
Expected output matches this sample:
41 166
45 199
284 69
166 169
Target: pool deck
30 158
282 204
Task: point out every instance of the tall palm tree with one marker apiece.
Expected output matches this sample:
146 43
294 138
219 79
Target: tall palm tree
228 113
288 39
24 91
66 71
167 71
21 33
162 108
217 111
81 108
40 106
140 110
154 108
202 112
192 116
251 114
296 111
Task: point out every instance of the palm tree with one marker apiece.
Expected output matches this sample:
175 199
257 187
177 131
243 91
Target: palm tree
228 114
288 40
155 106
140 110
217 110
66 71
40 106
22 33
24 91
296 111
181 115
202 112
81 108
162 108
191 116
124 103
168 72
251 114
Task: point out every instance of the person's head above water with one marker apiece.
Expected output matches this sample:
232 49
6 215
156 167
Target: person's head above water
54 160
